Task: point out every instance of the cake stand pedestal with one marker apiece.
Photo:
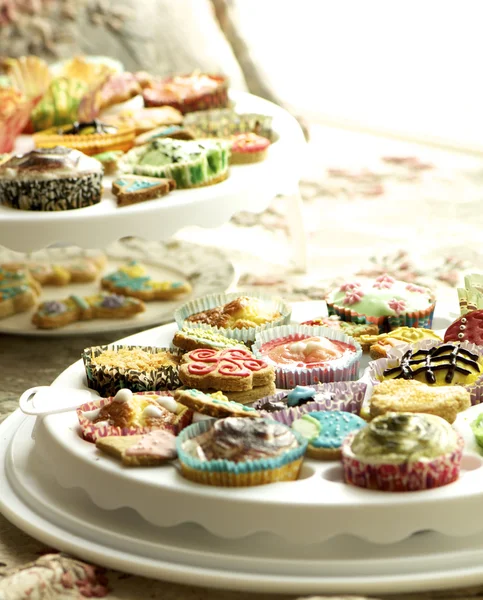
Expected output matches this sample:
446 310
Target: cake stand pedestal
248 188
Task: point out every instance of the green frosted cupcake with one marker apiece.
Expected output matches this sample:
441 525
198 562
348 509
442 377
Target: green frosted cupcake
189 163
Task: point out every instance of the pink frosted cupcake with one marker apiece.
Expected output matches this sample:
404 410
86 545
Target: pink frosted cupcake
304 355
385 302
403 452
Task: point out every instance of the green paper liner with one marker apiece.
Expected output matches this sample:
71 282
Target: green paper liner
386 323
223 472
91 433
245 335
287 377
107 380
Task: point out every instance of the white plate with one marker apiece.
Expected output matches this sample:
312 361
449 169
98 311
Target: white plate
248 187
120 539
206 269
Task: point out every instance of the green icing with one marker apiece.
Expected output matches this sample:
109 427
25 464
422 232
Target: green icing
397 438
215 339
307 426
374 301
81 302
477 428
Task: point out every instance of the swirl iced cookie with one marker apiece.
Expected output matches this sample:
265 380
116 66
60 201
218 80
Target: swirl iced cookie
51 179
402 452
139 368
129 413
230 370
239 452
133 280
384 302
190 163
400 395
325 432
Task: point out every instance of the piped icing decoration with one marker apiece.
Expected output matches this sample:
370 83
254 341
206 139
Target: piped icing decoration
229 362
133 278
398 438
113 301
159 444
349 286
412 287
205 337
384 282
327 429
168 403
80 302
152 412
468 328
54 307
301 394
249 142
353 296
424 365
123 395
398 306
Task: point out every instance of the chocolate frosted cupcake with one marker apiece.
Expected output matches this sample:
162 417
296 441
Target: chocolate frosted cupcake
237 452
385 302
51 179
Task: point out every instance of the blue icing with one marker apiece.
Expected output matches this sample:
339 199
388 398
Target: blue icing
81 303
167 131
335 426
300 392
121 279
141 185
176 284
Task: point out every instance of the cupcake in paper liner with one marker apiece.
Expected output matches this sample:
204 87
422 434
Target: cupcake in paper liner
303 355
238 452
385 302
346 396
132 414
234 315
138 368
434 363
403 452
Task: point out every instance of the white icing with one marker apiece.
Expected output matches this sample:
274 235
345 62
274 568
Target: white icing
168 403
151 412
102 424
306 347
123 395
91 415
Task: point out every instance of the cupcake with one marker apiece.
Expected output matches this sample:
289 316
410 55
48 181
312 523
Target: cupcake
385 302
403 452
50 180
138 368
248 148
325 432
233 315
237 452
188 93
129 413
432 363
190 163
91 137
306 355
286 407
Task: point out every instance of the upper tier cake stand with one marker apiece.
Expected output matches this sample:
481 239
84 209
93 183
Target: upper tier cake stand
248 188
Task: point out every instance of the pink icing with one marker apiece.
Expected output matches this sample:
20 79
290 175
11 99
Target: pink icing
398 306
353 296
384 282
231 362
159 443
411 287
347 287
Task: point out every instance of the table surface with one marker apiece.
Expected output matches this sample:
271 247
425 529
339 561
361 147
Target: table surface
362 185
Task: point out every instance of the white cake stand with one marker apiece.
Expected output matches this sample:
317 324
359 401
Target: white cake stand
248 188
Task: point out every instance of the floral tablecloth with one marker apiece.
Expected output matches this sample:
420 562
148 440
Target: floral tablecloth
371 205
